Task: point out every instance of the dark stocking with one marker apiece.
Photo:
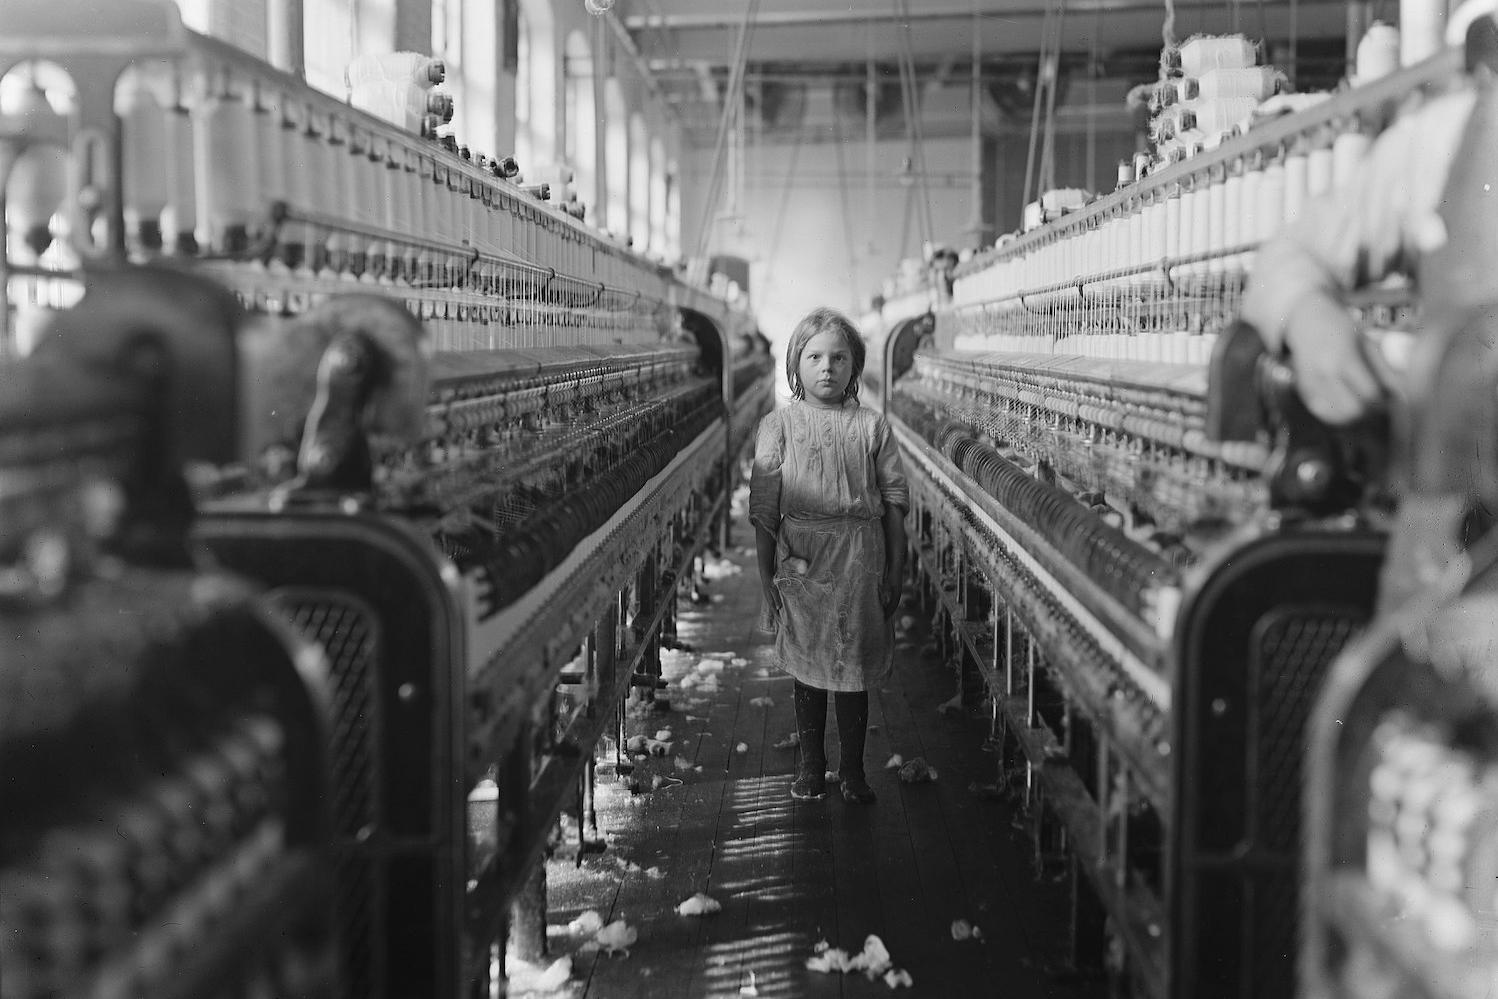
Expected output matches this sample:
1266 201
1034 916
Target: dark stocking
811 728
811 724
852 710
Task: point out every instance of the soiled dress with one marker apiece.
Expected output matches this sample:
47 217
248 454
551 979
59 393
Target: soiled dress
821 481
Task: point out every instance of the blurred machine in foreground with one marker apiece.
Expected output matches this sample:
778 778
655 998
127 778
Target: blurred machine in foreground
164 739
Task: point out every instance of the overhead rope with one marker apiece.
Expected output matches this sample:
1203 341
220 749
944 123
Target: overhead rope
1053 76
1041 176
913 129
1094 65
785 199
842 195
731 107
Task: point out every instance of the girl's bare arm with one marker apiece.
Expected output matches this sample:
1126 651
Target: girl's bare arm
894 557
764 543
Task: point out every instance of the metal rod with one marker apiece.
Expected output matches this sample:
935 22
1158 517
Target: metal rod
1008 652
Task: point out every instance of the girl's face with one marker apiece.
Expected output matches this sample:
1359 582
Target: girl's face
826 368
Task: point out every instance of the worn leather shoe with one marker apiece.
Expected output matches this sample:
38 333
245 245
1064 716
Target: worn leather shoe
856 789
809 787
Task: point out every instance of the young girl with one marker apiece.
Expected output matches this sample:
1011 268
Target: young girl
828 500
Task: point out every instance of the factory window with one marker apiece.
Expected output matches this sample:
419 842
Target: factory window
195 14
328 30
465 36
240 24
535 88
374 25
616 156
673 211
658 241
639 182
582 118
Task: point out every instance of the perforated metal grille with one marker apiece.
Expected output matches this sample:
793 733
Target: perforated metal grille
346 632
1293 655
1294 652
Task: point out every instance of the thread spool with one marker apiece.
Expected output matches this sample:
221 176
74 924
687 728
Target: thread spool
1141 165
1248 227
1138 243
1319 170
408 204
1193 205
1232 214
1270 211
1216 221
295 237
1031 217
1208 344
1173 205
145 151
226 167
1348 150
1255 82
354 167
316 142
271 165
38 182
1378 53
1178 347
1201 221
468 206
1205 53
1422 29
424 204
1297 184
179 217
394 67
384 260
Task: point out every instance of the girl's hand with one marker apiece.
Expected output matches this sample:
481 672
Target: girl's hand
771 595
889 594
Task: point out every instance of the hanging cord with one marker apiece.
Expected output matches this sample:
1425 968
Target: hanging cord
1094 62
913 119
1048 146
1040 176
1045 34
905 220
975 124
785 200
720 145
842 197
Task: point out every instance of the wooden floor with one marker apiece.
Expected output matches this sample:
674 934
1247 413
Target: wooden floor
790 874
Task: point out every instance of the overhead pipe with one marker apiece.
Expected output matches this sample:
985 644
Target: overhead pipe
642 65
800 18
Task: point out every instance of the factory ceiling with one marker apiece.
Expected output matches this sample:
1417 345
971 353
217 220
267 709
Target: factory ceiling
689 47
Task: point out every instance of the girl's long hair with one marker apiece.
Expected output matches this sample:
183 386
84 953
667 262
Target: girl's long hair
823 320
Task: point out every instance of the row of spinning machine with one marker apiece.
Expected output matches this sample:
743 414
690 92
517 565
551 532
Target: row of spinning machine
1132 534
328 548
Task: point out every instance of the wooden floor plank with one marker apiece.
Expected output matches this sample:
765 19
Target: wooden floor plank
789 874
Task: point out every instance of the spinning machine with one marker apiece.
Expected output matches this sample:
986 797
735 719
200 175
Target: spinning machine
1134 536
475 447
